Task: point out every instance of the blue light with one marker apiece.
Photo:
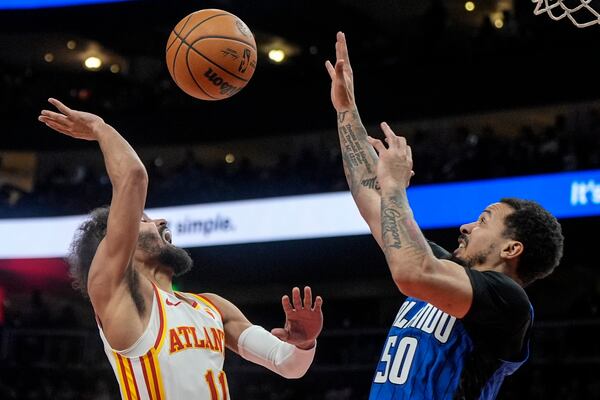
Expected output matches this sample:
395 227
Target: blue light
565 195
18 4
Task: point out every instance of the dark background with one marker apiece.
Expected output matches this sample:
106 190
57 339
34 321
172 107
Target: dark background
412 59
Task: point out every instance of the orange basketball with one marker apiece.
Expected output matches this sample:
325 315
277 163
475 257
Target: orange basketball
211 54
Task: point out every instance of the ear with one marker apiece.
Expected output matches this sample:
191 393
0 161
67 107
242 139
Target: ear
512 249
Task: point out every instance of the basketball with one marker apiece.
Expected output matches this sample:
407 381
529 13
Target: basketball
211 54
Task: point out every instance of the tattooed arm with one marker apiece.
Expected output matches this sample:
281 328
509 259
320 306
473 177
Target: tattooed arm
414 268
359 157
360 163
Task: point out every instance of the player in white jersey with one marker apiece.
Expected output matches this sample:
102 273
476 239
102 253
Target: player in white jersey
164 344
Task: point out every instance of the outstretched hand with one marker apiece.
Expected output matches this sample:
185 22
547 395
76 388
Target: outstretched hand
342 79
395 162
77 124
303 320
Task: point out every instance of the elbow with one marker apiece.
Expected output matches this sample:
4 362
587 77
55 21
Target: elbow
136 177
405 280
138 173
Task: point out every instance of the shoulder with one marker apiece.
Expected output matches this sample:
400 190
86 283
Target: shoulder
500 316
497 294
492 281
214 299
227 309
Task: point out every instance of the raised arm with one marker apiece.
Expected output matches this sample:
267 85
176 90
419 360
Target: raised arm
414 268
359 158
287 351
111 271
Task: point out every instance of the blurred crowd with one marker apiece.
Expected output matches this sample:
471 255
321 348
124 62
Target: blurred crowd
440 155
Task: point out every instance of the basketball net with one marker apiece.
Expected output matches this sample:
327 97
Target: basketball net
557 9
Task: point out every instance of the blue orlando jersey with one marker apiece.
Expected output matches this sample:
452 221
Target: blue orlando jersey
431 355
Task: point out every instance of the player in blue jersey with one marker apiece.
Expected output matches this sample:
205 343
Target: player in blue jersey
466 321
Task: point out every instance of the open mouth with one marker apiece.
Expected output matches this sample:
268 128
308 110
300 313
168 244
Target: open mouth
166 235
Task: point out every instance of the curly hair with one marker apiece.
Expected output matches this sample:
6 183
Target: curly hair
83 248
541 235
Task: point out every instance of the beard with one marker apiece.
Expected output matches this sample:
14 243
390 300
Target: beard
175 258
169 256
471 261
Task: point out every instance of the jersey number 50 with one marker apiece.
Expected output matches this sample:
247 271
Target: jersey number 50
396 370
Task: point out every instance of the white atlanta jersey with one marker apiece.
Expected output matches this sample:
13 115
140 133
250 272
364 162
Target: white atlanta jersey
178 357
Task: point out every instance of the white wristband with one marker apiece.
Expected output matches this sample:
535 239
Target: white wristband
257 345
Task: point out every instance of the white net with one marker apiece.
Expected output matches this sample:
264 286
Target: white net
580 12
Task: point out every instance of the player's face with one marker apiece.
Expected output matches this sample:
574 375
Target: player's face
480 241
155 239
155 231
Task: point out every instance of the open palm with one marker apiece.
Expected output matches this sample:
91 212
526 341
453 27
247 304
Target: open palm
303 320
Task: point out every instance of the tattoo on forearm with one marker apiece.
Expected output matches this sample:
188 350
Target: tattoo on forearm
358 156
371 183
390 228
354 148
399 228
347 172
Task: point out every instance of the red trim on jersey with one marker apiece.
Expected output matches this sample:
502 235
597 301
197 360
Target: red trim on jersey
125 380
146 380
154 374
135 386
161 316
212 304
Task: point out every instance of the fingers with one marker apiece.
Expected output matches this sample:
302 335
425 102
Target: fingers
391 138
297 301
339 69
318 304
55 116
330 69
377 144
307 297
287 306
342 47
60 106
54 125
